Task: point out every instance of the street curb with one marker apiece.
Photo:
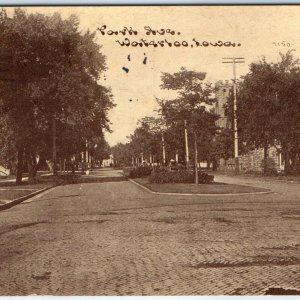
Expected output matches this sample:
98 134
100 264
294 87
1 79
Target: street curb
184 194
21 199
268 179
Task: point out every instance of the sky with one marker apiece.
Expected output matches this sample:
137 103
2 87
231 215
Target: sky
260 30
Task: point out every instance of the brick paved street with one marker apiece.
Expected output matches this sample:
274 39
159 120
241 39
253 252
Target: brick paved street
114 238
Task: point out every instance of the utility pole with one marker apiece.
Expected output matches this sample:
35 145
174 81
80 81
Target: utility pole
186 145
234 61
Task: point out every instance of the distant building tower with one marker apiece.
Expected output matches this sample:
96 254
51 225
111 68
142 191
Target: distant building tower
223 91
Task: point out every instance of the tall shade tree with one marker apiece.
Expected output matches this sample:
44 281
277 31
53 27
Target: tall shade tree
48 85
122 154
269 107
193 105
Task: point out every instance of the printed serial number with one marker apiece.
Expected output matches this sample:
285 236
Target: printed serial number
282 44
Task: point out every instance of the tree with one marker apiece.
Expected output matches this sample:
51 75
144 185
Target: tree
99 150
122 154
145 144
7 146
269 107
193 105
49 85
222 146
146 141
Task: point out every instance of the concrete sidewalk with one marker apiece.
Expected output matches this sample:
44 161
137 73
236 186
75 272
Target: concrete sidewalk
242 176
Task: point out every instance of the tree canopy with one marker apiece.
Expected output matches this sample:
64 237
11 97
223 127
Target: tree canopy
193 104
269 107
50 76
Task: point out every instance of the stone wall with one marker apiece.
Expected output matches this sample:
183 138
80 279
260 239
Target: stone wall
251 162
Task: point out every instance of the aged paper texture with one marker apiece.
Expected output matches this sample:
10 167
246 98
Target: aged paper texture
149 150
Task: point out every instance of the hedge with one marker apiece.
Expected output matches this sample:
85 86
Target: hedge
181 176
140 171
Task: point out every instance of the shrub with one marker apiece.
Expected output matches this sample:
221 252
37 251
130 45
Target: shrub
140 171
205 178
269 167
127 170
181 176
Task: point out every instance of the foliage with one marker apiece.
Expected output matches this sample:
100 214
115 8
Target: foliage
269 107
222 145
269 166
140 171
145 144
146 138
99 149
192 105
122 154
49 76
7 145
181 176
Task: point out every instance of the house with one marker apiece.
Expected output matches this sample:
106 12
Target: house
108 162
4 171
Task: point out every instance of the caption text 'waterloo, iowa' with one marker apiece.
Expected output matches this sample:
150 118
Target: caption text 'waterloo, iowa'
167 38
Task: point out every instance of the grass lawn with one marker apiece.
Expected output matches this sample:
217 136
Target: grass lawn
10 194
189 188
10 191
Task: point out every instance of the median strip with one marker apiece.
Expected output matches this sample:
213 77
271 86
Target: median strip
191 189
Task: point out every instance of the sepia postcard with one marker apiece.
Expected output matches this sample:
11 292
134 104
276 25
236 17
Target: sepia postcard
150 150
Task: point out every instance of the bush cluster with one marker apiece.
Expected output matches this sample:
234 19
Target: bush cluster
140 171
269 167
181 176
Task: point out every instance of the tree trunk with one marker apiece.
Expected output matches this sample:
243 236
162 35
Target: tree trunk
30 166
266 152
19 171
294 163
214 164
196 160
50 165
266 155
298 164
54 146
287 165
35 165
208 161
